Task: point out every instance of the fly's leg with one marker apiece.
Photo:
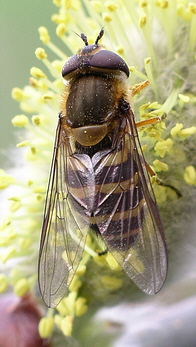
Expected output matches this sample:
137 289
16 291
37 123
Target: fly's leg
150 170
138 87
160 183
150 121
100 253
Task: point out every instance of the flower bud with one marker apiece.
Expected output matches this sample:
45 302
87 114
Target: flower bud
19 320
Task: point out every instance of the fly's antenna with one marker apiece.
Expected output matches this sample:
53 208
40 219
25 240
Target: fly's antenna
99 36
83 37
85 40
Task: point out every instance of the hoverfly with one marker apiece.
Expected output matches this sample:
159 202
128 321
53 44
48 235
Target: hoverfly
99 180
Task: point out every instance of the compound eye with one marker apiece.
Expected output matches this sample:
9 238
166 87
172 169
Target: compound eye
70 65
109 60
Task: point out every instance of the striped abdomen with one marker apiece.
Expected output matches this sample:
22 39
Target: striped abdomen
107 188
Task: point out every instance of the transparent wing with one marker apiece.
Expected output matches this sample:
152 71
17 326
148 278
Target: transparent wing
127 215
65 223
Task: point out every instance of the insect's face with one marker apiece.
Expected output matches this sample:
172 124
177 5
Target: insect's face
93 58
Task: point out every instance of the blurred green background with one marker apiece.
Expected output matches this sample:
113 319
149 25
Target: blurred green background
19 38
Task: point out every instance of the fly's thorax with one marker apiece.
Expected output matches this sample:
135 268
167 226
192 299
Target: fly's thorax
92 99
92 105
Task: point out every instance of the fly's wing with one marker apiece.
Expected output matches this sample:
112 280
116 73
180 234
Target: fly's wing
65 225
127 215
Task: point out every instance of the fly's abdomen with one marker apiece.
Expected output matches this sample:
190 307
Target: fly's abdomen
107 189
120 200
120 218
